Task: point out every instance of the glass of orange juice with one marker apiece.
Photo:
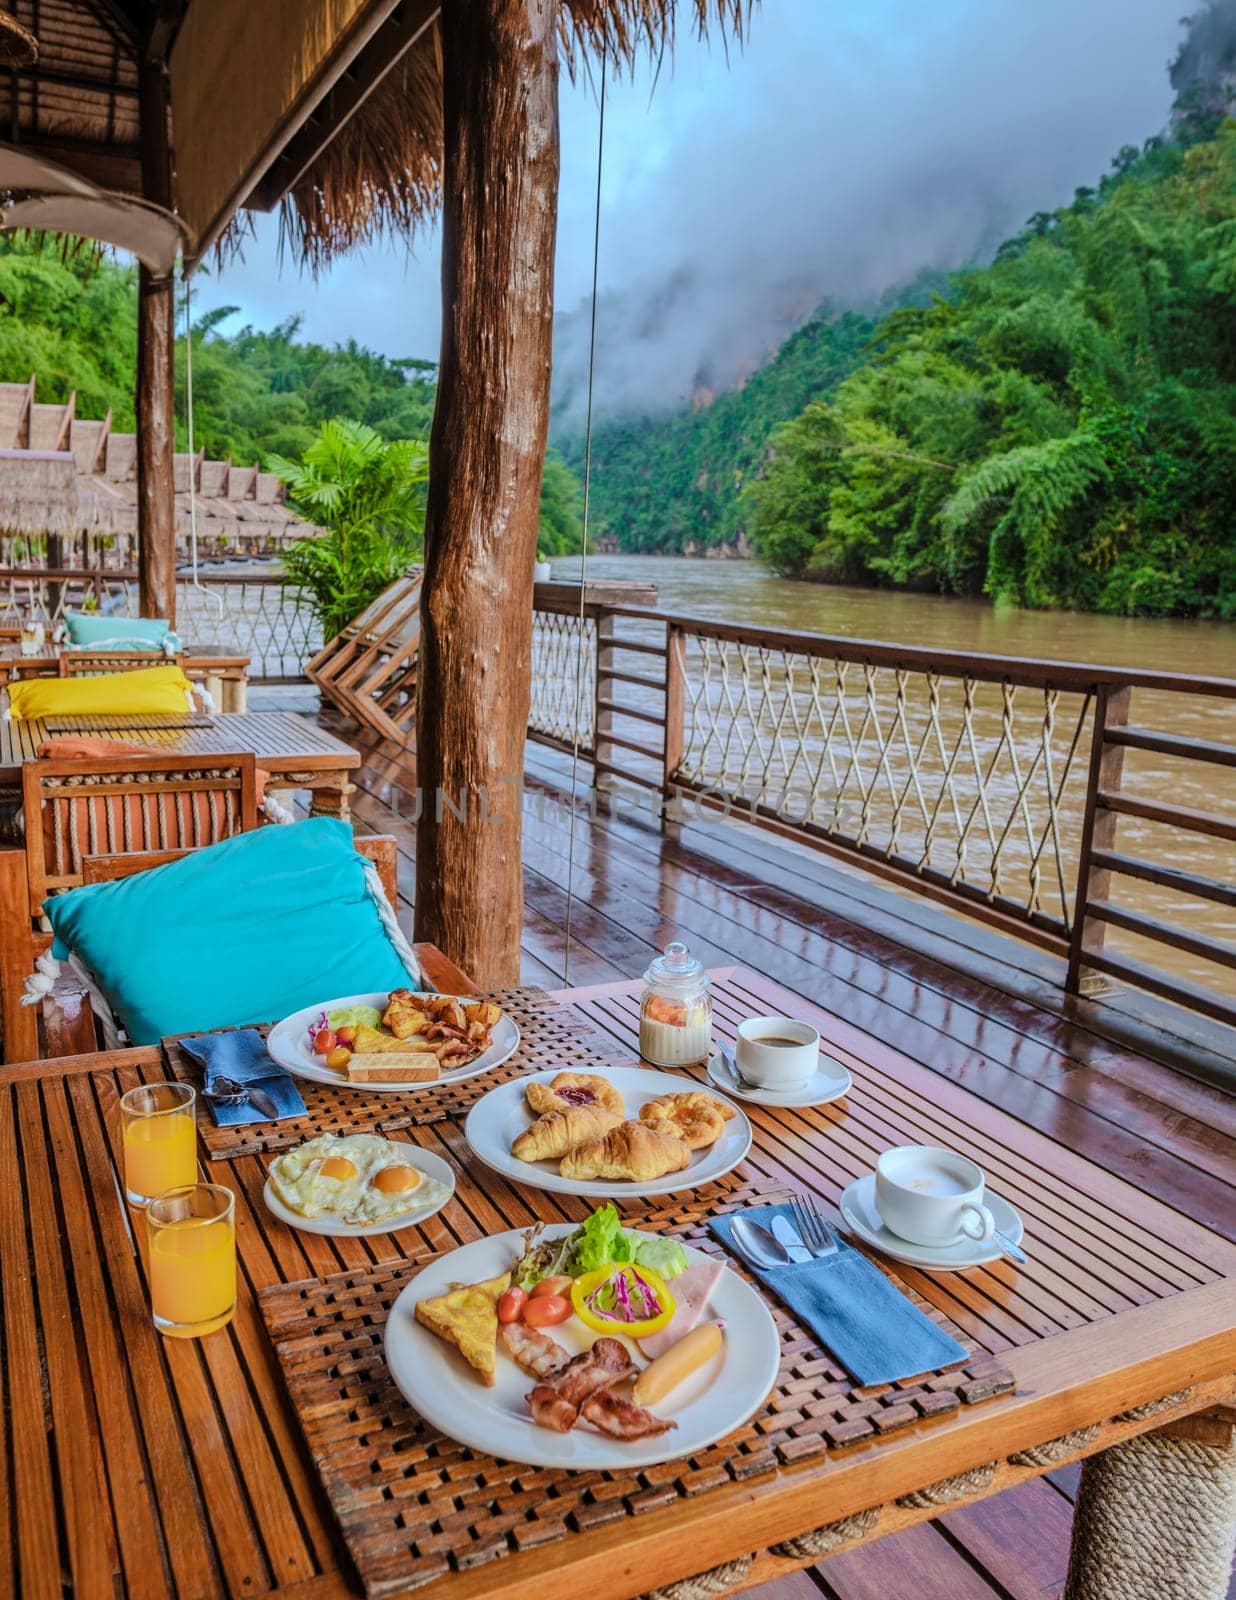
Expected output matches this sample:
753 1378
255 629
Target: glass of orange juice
192 1259
160 1140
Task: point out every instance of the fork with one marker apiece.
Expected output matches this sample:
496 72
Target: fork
812 1228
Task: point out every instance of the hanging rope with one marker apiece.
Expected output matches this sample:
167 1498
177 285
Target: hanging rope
583 554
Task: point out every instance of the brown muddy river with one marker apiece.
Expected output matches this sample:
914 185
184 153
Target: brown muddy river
744 592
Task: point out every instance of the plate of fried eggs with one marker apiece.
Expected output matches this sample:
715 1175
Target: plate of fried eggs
357 1184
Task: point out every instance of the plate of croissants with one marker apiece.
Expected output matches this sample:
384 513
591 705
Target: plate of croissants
626 1132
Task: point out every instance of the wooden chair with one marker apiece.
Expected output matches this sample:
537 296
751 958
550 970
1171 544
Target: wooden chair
369 669
105 663
69 1024
116 806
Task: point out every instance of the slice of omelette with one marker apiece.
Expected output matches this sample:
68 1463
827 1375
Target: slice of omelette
468 1318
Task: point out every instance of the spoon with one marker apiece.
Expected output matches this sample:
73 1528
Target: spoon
230 1093
1014 1252
758 1245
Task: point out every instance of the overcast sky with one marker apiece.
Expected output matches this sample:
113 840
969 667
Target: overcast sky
843 148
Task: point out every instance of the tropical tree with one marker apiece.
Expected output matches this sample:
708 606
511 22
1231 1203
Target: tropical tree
368 493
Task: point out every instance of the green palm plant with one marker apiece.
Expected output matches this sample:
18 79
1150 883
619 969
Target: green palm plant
368 493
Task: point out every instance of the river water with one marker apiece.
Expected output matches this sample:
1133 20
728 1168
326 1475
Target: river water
742 591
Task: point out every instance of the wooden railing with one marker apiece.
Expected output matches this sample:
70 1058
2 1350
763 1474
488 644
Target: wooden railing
995 785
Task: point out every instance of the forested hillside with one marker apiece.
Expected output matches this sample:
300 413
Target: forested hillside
73 321
1060 430
1054 429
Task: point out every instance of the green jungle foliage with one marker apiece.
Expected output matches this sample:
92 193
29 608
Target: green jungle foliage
673 484
73 321
1060 430
369 494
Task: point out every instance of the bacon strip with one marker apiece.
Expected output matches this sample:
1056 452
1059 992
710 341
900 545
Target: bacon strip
556 1401
529 1348
621 1418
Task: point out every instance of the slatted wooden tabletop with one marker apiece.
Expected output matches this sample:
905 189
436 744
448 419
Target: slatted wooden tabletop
280 740
136 1466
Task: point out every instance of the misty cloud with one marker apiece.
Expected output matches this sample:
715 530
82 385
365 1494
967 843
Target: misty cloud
843 149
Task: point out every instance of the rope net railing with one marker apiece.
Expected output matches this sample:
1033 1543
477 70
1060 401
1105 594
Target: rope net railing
259 616
557 639
976 785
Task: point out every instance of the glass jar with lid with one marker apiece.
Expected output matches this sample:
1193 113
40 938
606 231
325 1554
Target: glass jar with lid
675 1011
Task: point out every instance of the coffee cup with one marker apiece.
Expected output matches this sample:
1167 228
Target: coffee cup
776 1052
931 1196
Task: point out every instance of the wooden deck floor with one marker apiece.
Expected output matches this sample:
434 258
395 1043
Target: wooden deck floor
1140 1099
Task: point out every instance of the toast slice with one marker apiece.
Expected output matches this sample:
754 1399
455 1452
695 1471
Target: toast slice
420 1066
468 1319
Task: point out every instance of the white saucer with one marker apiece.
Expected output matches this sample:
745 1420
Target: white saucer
858 1208
829 1082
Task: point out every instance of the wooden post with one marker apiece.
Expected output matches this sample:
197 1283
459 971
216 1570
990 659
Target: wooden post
156 501
1111 710
486 457
602 691
675 719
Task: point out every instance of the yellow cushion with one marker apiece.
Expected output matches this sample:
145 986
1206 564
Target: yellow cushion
164 689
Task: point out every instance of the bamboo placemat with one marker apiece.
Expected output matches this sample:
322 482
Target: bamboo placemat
414 1504
105 722
550 1037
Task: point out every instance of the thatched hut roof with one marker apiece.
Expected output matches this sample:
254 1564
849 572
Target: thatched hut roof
65 474
333 110
381 174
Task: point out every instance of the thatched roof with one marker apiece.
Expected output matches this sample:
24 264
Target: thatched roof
381 174
352 152
65 474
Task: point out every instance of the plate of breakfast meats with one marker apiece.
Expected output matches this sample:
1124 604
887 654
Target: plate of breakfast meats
589 1347
354 1185
390 1043
626 1132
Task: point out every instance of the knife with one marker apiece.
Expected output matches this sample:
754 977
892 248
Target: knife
263 1102
787 1237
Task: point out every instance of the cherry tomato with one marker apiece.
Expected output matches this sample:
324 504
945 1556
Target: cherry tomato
345 1035
512 1304
324 1042
338 1058
551 1286
547 1310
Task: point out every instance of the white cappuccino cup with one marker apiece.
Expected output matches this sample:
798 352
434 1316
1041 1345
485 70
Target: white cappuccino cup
776 1052
931 1196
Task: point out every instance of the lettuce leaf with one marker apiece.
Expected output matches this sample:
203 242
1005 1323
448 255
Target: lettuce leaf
665 1256
600 1242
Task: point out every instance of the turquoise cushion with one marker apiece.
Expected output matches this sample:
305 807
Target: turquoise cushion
239 932
89 630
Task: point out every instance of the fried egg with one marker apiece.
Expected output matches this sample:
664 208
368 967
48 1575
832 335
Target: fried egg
358 1177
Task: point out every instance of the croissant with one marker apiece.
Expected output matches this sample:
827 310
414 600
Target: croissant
574 1089
698 1119
559 1131
636 1151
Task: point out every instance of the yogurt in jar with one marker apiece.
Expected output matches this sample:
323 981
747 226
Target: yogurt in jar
675 1018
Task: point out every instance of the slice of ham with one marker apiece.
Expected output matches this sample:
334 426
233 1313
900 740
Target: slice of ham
691 1290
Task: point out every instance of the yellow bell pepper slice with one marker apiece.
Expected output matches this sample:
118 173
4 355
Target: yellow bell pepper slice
616 1308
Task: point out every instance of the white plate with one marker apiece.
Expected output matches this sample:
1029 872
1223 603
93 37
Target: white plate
499 1117
437 1382
858 1208
289 1044
423 1160
829 1082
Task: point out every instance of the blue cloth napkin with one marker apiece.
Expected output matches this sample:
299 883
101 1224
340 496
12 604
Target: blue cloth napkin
876 1334
242 1056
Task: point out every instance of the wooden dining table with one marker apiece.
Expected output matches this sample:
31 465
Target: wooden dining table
292 749
275 1457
